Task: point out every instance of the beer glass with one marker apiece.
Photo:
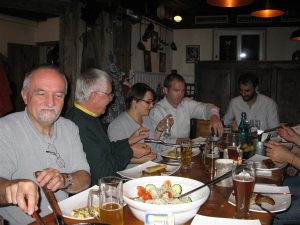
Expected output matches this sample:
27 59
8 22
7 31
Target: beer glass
109 200
186 154
243 185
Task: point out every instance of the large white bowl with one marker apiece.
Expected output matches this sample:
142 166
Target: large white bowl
182 212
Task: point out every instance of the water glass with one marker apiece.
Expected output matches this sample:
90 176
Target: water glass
186 154
254 126
109 199
223 166
243 185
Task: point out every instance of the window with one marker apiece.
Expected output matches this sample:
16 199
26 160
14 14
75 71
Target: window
232 45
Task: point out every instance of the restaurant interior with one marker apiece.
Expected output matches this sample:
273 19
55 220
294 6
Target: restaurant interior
208 42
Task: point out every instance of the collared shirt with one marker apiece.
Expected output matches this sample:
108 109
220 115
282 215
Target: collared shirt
188 109
264 109
80 107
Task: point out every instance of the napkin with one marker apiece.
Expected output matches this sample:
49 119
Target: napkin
207 220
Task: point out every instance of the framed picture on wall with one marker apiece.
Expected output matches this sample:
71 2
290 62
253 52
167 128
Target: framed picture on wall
162 62
192 53
154 41
147 61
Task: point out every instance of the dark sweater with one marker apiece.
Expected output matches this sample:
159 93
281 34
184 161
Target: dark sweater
104 157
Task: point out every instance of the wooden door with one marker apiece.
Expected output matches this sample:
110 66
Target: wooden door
21 58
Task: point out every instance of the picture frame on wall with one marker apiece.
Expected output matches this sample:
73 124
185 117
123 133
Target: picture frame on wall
162 62
147 61
154 41
192 53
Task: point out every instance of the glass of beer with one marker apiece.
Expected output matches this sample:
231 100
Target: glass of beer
109 201
186 154
243 185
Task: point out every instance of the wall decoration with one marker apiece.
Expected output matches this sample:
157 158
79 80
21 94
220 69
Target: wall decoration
162 62
192 53
147 61
154 41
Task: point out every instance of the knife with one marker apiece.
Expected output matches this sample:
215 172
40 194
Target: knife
53 203
273 193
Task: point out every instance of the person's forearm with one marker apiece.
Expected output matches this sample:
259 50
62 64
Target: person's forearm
295 161
80 180
4 183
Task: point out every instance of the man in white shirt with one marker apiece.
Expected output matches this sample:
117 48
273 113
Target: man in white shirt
183 109
257 106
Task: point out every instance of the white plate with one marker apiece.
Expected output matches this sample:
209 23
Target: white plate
260 166
208 220
136 172
199 140
164 152
74 202
282 202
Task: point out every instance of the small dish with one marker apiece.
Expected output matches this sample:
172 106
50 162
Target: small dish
136 172
260 166
282 202
74 202
170 152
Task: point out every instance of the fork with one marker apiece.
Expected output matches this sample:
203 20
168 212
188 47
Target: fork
268 211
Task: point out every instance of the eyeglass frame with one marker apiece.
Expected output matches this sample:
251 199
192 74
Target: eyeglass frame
149 102
110 95
59 160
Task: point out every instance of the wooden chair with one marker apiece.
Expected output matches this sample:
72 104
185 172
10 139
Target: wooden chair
202 128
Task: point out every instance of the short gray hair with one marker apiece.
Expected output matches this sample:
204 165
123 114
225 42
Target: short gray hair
28 75
92 80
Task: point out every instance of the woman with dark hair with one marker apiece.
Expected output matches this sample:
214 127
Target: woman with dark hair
139 102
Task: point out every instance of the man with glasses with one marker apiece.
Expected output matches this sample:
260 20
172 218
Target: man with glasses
92 95
39 140
183 109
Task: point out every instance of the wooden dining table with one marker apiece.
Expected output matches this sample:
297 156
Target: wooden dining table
216 206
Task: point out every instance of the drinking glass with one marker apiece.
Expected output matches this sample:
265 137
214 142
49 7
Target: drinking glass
243 184
109 200
210 155
169 123
254 127
223 166
186 154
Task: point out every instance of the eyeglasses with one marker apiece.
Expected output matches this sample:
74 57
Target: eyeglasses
149 102
110 95
53 151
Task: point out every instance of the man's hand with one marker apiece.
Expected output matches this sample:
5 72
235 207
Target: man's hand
52 178
138 135
139 150
216 125
288 134
278 153
23 193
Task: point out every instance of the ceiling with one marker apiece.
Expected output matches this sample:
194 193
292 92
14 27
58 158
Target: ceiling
158 10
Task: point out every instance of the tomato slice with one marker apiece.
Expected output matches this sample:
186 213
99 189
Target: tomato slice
166 183
147 196
169 194
141 191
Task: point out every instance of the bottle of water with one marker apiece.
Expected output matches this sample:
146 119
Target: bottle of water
243 129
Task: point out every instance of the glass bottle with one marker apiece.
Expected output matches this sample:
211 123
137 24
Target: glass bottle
243 129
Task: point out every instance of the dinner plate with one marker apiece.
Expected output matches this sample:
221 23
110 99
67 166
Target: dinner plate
74 202
166 151
136 172
199 140
260 166
208 220
282 201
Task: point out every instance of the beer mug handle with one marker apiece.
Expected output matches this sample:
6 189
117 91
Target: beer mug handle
92 201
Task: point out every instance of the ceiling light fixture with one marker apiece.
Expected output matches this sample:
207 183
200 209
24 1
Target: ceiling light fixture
267 9
295 35
177 18
229 3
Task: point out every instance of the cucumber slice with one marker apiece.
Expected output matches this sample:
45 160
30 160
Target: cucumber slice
177 188
150 187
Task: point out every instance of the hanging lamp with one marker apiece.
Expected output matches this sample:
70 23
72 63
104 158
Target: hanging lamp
229 3
295 35
267 9
177 18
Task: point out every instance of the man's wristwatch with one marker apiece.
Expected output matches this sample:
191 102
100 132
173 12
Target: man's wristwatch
68 180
